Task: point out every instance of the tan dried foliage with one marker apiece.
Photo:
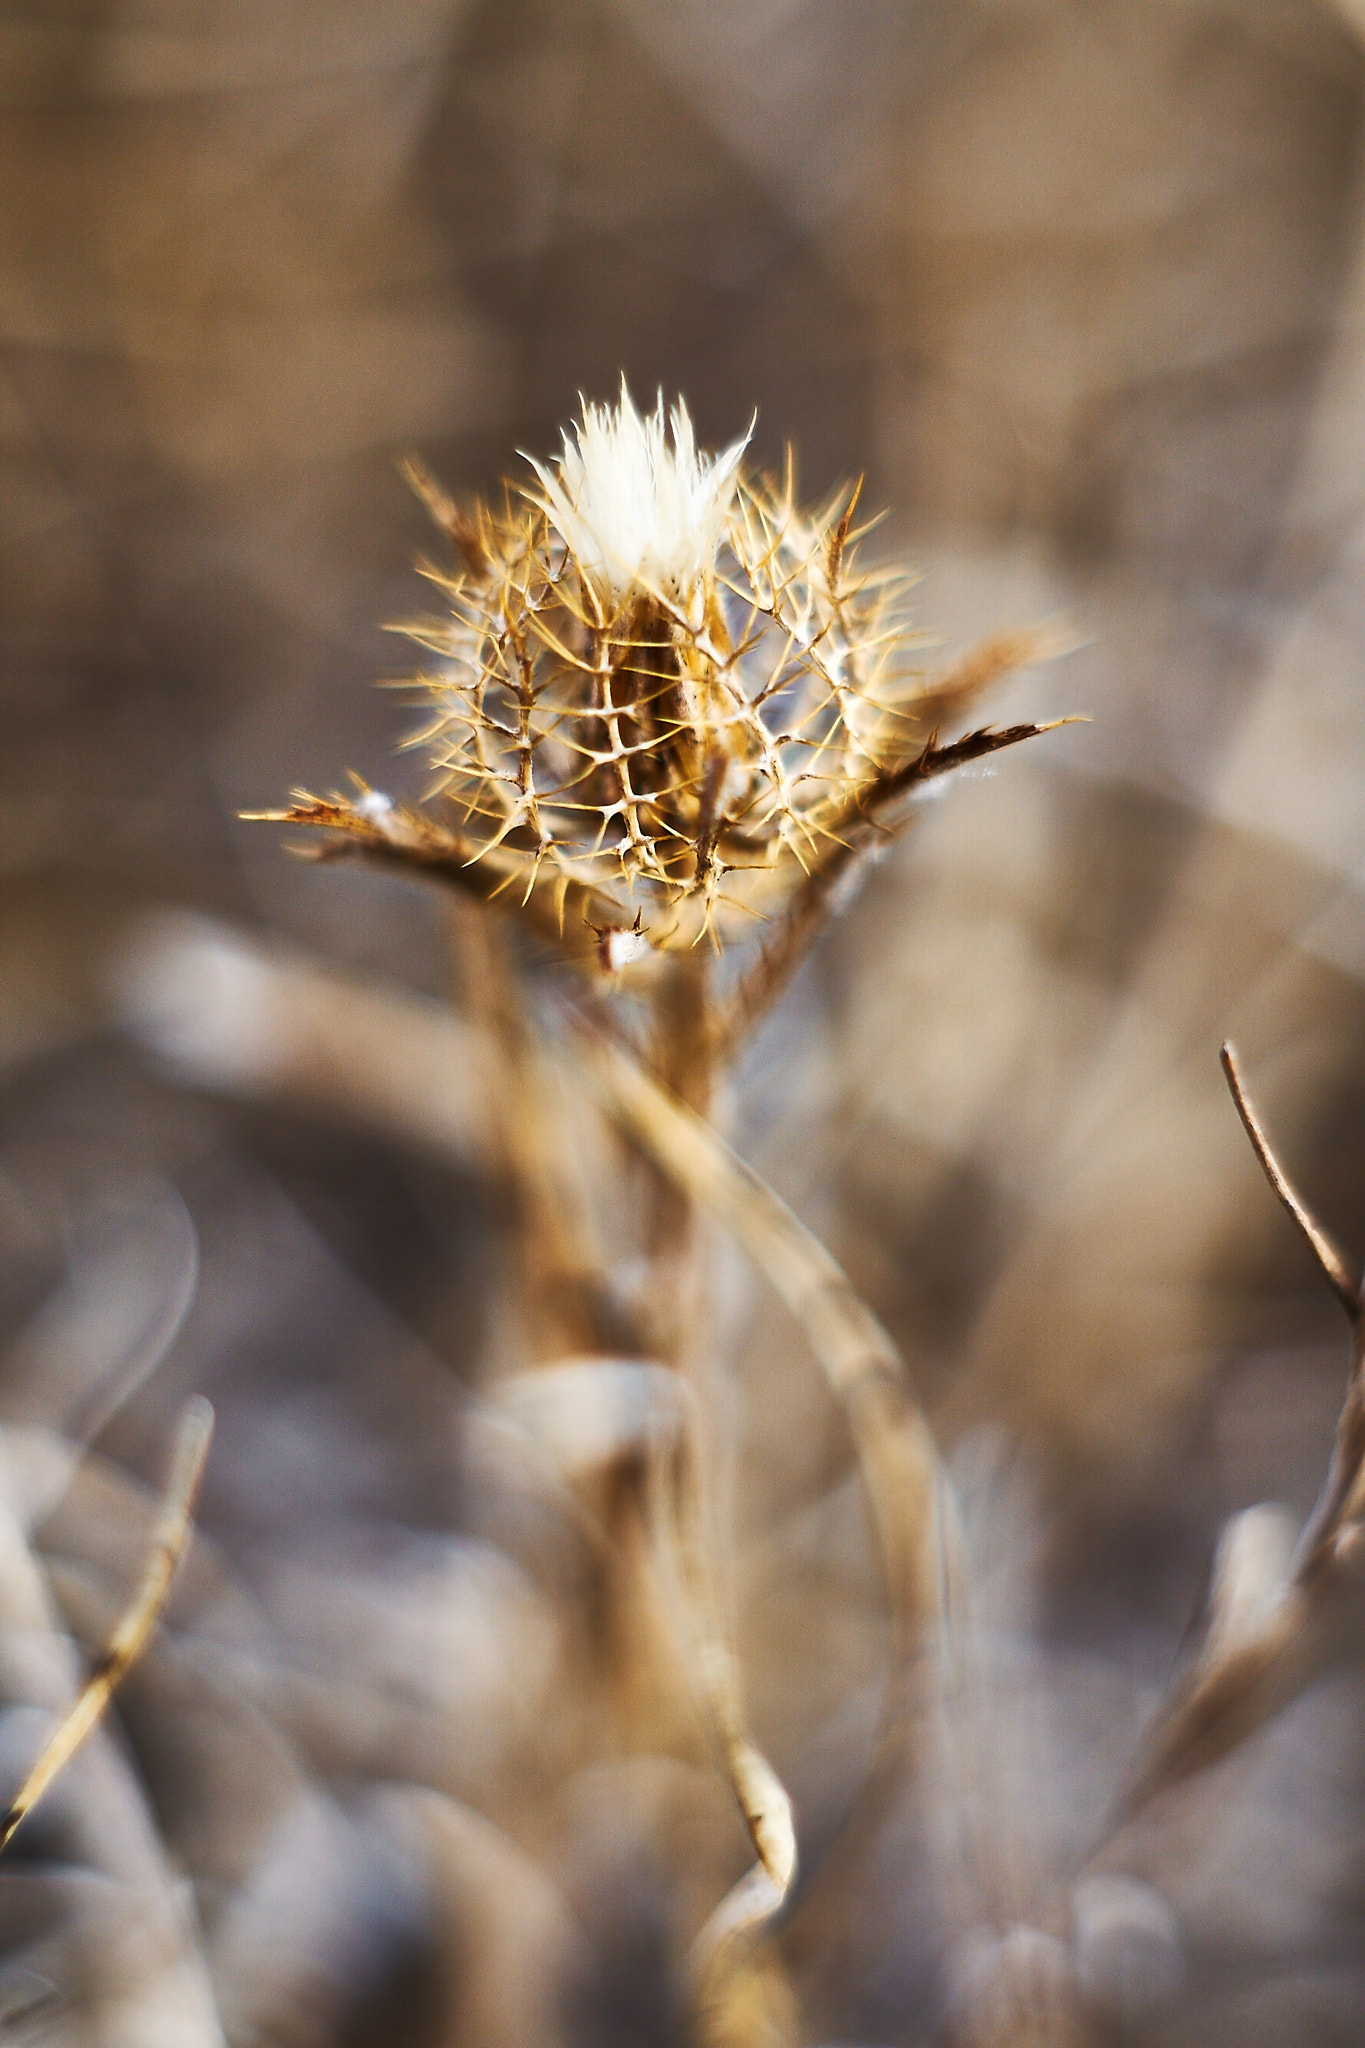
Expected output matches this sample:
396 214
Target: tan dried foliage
645 738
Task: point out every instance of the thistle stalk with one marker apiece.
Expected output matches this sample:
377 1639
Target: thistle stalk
669 711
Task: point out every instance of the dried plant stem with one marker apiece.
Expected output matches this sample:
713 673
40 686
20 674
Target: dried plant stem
1271 1619
1332 1524
564 1284
762 1798
897 1457
721 1954
1327 1252
895 1448
113 1825
681 1053
869 800
562 1288
130 1638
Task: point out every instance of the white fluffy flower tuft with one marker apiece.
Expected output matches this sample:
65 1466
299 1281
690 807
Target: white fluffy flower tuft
635 512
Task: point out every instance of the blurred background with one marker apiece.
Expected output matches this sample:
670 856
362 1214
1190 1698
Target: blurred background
1079 288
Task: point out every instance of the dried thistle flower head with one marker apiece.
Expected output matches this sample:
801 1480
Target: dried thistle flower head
660 676
667 699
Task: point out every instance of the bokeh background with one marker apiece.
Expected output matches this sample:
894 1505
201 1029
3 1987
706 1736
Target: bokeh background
1079 288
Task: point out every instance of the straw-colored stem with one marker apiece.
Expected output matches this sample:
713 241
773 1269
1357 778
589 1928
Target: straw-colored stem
561 1285
133 1632
896 1451
761 1797
681 1052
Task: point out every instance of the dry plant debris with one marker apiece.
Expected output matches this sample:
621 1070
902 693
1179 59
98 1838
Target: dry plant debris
668 699
1274 1603
669 711
134 1631
250 273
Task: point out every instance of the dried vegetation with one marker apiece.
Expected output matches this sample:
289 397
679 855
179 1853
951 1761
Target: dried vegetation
671 713
731 1353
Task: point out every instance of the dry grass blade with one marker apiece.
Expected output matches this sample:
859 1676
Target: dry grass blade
1328 1254
131 1636
896 1452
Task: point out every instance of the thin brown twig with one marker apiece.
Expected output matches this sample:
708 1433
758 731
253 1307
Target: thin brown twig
932 760
1267 1625
133 1632
1327 1252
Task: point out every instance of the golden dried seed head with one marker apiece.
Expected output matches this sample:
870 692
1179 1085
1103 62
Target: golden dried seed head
659 675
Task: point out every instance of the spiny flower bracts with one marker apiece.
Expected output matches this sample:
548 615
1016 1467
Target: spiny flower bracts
659 674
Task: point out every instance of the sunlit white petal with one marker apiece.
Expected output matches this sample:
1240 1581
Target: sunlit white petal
635 504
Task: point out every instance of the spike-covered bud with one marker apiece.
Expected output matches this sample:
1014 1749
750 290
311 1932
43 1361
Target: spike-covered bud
661 678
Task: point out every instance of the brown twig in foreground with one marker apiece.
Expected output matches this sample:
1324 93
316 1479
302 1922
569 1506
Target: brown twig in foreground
1327 1252
1271 1612
131 1636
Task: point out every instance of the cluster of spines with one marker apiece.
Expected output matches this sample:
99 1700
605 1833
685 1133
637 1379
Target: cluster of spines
663 748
